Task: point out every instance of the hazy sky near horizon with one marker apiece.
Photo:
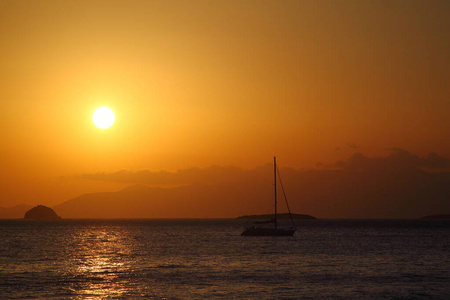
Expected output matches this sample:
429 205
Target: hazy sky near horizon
198 83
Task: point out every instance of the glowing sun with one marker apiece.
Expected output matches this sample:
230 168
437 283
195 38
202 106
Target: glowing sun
103 117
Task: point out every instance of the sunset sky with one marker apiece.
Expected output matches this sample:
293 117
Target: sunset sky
201 83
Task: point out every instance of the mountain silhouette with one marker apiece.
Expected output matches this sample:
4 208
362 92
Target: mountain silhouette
437 217
140 201
400 185
385 193
41 212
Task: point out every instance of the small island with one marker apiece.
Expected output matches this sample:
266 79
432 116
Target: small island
279 216
41 212
437 217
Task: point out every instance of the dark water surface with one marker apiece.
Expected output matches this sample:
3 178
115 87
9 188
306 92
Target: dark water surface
179 259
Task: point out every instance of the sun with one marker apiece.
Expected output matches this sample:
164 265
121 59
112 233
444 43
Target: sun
103 117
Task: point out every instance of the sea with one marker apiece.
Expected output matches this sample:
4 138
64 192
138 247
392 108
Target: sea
209 259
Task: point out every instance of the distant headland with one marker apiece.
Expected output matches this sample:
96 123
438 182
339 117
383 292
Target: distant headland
41 212
279 216
437 217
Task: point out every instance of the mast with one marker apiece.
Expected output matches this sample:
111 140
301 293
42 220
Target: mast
275 187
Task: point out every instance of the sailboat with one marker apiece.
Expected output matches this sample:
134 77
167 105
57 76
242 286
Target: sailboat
275 230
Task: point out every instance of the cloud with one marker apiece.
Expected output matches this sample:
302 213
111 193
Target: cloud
398 159
433 160
180 177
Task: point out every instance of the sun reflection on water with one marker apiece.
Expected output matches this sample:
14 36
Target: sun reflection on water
98 263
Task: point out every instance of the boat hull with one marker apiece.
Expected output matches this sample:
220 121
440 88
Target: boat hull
255 231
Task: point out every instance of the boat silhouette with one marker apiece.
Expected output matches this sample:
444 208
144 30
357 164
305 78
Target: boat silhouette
273 229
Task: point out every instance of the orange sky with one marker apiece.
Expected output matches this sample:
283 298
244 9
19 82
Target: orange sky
198 83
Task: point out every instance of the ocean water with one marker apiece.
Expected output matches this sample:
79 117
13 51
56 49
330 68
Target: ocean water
195 259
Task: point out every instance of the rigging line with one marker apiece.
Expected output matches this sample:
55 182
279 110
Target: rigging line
285 198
